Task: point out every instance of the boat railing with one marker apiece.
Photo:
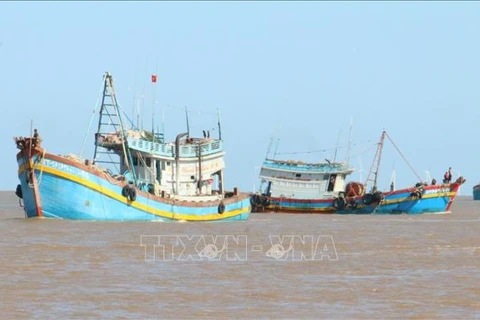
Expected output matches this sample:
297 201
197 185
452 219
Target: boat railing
321 168
167 150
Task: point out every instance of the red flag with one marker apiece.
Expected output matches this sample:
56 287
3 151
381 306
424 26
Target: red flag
154 78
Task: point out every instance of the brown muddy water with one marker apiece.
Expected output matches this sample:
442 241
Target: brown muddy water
271 266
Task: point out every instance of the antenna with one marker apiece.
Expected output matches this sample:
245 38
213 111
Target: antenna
336 147
153 109
393 180
276 148
428 177
269 147
31 138
154 82
135 93
219 125
138 113
163 122
349 140
186 116
361 168
144 90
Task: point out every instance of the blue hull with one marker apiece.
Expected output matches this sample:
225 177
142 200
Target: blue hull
66 191
434 199
476 192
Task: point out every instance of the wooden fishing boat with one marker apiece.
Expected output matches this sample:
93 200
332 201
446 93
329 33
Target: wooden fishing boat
154 179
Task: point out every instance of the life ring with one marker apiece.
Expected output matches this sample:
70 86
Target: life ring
18 191
339 203
221 208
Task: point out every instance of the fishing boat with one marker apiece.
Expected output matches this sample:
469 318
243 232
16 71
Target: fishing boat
154 179
476 192
298 187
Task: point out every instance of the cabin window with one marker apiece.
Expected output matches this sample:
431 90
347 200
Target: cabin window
135 161
331 182
168 163
298 175
148 162
192 177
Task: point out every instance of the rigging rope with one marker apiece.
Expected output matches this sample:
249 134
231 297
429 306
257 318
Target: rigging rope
325 150
91 118
405 159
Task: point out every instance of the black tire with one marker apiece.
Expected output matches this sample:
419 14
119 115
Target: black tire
129 192
125 191
254 200
367 199
19 192
377 196
339 203
221 208
133 194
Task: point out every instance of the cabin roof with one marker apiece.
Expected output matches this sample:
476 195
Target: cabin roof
292 165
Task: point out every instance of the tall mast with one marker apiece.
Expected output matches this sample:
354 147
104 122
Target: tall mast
186 117
154 80
100 123
349 144
269 147
110 119
276 148
373 174
336 147
219 125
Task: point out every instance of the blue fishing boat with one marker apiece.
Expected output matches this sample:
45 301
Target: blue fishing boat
298 187
476 192
154 179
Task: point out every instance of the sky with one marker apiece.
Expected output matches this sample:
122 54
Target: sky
312 76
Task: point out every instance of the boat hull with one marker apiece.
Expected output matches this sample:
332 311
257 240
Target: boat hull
56 187
433 199
476 192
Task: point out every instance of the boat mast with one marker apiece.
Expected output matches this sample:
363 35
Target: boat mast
154 81
186 117
110 116
336 147
349 145
219 125
373 173
276 148
269 147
